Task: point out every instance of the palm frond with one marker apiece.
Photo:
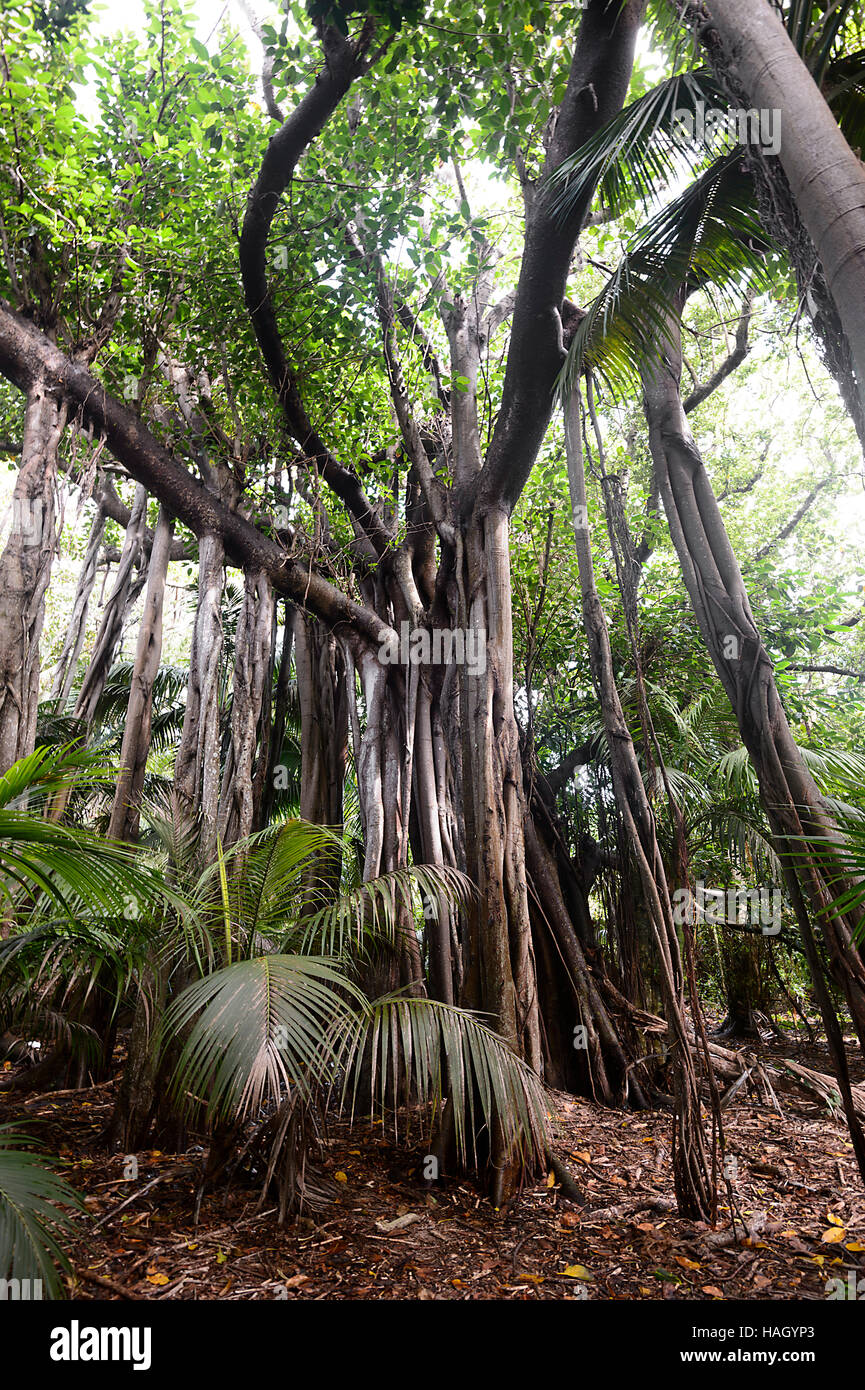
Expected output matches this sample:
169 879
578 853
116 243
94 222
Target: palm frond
835 767
637 153
709 235
736 770
30 781
270 876
73 868
36 1208
169 691
259 1029
371 911
442 1052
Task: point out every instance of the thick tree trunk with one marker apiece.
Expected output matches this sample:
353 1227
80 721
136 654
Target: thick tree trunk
196 770
323 721
126 810
276 770
323 702
826 177
25 570
67 663
431 794
499 960
385 795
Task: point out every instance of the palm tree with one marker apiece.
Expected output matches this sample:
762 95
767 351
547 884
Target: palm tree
280 1030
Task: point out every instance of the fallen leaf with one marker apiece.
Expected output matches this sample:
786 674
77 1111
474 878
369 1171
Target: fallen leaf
577 1272
159 1279
834 1235
341 1177
686 1264
712 1290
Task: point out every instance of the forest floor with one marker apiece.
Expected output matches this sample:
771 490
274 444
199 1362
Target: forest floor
388 1235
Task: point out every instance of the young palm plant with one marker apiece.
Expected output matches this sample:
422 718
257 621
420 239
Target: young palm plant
284 1028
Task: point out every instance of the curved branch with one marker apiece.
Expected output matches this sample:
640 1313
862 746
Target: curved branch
344 61
597 86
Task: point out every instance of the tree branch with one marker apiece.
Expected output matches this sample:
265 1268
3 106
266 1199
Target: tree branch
597 87
828 670
730 363
343 62
794 520
27 355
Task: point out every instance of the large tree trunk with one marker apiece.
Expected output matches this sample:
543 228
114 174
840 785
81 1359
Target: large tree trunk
826 178
25 570
324 721
499 960
322 694
126 810
385 798
276 772
196 770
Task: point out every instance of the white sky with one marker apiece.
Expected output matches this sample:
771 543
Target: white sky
111 15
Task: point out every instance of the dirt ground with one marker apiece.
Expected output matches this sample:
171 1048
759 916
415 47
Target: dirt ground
799 1204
